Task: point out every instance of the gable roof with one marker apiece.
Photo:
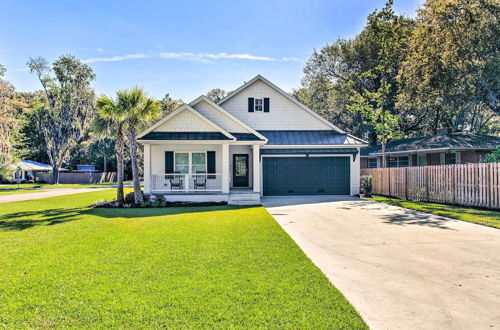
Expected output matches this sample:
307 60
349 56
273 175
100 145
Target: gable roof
227 114
182 108
323 137
451 141
283 93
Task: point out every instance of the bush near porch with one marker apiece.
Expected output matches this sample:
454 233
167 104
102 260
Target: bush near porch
67 265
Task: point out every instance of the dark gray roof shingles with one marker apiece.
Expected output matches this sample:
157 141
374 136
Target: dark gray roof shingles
456 141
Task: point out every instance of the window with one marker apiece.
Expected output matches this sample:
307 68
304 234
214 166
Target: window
199 162
392 162
190 162
258 104
422 160
403 161
450 158
372 162
181 162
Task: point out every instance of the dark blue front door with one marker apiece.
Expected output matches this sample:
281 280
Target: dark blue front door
240 170
306 176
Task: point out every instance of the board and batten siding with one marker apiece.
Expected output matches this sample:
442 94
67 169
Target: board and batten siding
158 154
185 122
219 118
355 174
283 115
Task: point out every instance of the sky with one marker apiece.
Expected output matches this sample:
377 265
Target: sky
183 48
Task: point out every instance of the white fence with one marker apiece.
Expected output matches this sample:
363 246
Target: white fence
176 182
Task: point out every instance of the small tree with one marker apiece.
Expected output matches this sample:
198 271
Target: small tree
371 107
70 105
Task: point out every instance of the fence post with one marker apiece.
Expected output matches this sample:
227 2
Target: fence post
389 180
406 183
426 184
453 185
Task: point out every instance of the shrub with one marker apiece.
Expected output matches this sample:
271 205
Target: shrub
366 185
494 156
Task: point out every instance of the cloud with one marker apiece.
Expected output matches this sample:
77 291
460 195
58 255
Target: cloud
204 57
115 58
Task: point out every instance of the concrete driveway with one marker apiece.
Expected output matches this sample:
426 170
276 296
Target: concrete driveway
400 269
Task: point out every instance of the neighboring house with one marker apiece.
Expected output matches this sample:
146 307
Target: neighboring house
441 149
256 141
26 168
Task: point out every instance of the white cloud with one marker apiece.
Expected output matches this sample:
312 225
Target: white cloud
115 58
205 57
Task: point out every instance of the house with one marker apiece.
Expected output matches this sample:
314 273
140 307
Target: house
27 168
256 141
441 149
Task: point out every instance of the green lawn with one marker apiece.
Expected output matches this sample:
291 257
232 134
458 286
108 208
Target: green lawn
469 214
65 265
24 188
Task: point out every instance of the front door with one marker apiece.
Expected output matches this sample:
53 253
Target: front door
240 170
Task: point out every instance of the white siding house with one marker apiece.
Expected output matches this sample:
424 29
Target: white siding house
257 141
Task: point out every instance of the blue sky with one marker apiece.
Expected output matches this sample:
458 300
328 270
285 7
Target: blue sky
183 48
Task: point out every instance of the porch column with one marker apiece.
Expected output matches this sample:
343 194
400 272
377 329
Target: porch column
256 168
147 168
225 168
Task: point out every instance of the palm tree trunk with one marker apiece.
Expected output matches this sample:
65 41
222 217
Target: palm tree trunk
135 168
119 149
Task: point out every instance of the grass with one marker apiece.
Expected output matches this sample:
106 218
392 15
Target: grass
469 214
16 191
24 188
66 265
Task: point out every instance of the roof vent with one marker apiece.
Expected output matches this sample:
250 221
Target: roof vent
442 131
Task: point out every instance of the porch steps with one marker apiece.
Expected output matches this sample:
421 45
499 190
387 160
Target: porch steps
244 198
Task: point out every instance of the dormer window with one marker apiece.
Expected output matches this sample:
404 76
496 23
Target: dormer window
258 104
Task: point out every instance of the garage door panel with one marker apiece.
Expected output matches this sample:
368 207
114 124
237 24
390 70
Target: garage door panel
306 175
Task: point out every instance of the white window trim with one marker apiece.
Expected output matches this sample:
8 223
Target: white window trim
190 160
261 105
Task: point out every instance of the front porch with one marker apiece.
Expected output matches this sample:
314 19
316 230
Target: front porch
204 171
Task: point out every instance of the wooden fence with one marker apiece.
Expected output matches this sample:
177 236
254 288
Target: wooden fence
469 184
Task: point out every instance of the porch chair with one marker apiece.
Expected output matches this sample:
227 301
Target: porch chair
200 181
176 182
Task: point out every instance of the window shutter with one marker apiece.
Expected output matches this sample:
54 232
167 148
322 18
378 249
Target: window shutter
169 162
266 104
211 164
250 104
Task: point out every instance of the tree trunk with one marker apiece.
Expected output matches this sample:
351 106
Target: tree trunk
119 149
383 155
55 175
135 169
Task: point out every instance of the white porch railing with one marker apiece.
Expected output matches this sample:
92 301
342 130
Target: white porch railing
176 182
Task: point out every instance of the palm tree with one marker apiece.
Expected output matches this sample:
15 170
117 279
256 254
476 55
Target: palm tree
111 123
139 110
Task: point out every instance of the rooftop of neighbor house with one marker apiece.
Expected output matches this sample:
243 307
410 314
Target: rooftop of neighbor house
442 141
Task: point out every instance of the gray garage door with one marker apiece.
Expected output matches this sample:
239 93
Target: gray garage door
306 176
